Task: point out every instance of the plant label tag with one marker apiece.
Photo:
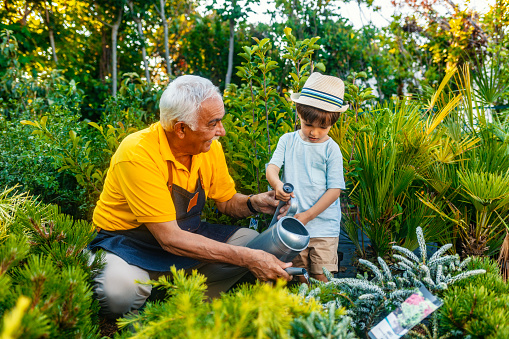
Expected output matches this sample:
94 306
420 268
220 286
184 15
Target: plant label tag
253 224
411 312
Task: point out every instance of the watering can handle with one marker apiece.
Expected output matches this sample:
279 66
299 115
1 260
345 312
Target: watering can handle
288 188
295 271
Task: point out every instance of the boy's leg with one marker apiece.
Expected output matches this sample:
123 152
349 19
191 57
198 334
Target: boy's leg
323 252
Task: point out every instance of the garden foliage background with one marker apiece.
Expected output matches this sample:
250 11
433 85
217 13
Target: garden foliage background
425 141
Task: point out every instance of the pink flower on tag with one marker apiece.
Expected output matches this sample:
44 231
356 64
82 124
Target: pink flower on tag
415 299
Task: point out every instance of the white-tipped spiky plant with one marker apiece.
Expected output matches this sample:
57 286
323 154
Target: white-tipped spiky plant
438 272
368 301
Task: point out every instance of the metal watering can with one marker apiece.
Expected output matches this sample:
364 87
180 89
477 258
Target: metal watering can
286 237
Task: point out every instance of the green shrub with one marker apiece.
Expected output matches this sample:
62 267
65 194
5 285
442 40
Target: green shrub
27 162
84 150
476 311
368 301
492 279
478 306
45 273
64 160
251 311
328 324
258 115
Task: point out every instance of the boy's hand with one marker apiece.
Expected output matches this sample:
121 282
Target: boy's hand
303 217
281 194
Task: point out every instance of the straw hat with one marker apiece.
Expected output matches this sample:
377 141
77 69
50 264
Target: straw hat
324 92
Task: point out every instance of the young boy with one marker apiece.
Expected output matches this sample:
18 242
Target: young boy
314 165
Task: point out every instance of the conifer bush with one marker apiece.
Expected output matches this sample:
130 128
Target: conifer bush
45 273
323 325
476 311
251 311
477 307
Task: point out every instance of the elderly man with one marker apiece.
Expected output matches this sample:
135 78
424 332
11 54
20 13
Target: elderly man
148 214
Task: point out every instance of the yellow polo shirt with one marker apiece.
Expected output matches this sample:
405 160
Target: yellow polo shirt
135 190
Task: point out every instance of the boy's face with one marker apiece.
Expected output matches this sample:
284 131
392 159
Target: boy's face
312 132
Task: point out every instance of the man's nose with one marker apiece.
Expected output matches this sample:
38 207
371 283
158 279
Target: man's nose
220 130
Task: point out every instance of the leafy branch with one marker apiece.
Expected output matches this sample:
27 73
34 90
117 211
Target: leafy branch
73 154
299 53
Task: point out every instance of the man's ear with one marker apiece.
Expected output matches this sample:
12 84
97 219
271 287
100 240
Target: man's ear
179 129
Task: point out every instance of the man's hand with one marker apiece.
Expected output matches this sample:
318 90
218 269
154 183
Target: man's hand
237 205
284 210
265 202
267 267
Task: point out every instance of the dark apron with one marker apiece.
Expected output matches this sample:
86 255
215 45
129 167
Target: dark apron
139 247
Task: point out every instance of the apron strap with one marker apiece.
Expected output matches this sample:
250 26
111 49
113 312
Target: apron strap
170 177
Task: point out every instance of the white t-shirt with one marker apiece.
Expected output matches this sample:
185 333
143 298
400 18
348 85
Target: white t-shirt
312 168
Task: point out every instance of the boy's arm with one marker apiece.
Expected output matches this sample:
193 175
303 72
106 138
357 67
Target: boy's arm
331 195
273 176
276 183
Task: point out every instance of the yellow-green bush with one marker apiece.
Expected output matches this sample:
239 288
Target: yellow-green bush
252 311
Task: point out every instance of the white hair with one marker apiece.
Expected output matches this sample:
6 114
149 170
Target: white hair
182 100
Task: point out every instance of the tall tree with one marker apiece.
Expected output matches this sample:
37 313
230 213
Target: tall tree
137 17
160 7
454 35
48 15
112 10
114 36
233 11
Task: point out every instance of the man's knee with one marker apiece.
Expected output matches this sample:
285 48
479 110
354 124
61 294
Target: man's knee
117 290
242 237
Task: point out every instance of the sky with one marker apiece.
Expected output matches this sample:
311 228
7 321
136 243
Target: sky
361 15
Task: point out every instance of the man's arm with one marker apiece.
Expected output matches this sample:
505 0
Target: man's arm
331 195
237 205
173 239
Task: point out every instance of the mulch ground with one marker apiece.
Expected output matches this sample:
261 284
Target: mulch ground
108 327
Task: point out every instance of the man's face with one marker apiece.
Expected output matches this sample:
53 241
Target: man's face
208 127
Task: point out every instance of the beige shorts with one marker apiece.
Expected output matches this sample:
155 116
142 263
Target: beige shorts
321 252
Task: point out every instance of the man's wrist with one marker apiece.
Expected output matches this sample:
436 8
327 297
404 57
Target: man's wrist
250 205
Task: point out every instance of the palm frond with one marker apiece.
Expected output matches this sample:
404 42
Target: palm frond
434 121
439 92
485 189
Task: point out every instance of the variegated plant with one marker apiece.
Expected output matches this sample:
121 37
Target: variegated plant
368 301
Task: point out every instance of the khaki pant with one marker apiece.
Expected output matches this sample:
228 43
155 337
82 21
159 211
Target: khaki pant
118 293
321 252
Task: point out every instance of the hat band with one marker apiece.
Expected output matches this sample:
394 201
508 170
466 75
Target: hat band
311 93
